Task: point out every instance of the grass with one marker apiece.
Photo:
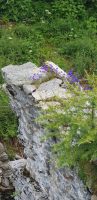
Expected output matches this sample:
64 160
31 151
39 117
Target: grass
22 43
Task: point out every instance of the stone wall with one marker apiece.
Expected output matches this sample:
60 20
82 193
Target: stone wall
35 176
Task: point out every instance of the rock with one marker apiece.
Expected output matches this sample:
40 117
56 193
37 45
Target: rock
93 197
18 164
17 157
5 170
1 175
49 90
23 74
55 69
5 182
28 89
1 148
19 75
36 178
3 155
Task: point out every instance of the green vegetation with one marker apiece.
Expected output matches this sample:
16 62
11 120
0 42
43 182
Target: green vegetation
65 32
62 31
73 126
77 118
8 121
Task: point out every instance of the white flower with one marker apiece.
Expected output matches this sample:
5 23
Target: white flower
72 29
42 21
78 132
48 12
30 50
10 38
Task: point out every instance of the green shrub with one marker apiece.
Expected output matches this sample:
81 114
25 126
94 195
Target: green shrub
73 124
17 10
69 8
8 120
23 11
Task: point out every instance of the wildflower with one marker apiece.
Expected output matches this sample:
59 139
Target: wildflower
70 35
70 73
44 68
48 12
72 77
42 21
35 76
10 38
30 51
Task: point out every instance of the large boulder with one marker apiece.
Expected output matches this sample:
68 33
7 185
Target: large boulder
31 90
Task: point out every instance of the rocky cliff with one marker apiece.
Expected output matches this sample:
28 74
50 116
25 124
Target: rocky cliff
35 177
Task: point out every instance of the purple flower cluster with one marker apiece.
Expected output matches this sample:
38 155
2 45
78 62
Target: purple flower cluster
36 76
72 77
49 69
44 68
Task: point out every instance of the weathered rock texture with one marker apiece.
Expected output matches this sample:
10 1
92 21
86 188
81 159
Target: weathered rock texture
35 177
5 170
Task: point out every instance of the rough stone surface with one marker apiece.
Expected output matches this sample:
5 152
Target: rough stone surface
35 177
18 74
50 89
28 89
5 170
93 197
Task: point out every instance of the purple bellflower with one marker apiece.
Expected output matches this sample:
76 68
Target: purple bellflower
44 68
72 77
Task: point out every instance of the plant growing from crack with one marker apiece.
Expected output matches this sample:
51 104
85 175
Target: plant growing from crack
73 124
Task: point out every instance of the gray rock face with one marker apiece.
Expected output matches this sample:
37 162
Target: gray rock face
35 177
5 170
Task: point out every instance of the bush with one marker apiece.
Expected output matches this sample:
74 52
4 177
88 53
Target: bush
22 11
69 8
74 128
